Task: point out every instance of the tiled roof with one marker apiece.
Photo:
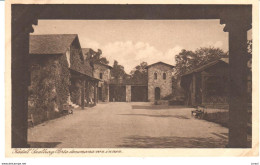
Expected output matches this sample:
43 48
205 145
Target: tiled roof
108 66
50 43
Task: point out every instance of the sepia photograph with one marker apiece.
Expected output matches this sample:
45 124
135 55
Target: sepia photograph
113 77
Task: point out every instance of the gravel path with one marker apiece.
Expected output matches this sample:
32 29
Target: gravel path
129 125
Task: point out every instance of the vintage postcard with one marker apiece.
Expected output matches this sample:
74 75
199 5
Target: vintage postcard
131 78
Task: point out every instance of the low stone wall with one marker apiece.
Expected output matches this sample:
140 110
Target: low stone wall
217 116
217 105
161 102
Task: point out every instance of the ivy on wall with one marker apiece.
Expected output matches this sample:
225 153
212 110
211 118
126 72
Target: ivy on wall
51 82
75 91
77 64
77 60
63 82
49 89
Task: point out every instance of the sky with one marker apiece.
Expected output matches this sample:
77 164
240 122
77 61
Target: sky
131 42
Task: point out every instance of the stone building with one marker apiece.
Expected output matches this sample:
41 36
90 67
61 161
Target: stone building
157 85
159 80
59 75
102 72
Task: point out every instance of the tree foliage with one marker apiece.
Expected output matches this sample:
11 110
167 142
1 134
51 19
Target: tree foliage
139 73
189 60
118 71
96 57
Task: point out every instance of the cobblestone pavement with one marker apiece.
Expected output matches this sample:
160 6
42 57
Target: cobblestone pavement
129 125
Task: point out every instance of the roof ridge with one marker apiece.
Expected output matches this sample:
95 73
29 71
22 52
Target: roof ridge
160 62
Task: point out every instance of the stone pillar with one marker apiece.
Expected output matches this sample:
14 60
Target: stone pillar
237 28
21 26
23 17
128 93
20 81
83 94
22 21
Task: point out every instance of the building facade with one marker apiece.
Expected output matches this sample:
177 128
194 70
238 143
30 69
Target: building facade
159 80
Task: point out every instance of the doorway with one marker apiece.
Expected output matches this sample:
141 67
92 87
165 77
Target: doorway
100 93
157 93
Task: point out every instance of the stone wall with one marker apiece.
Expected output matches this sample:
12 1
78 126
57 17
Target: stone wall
164 85
99 68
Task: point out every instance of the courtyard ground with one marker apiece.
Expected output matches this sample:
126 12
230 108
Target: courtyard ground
129 125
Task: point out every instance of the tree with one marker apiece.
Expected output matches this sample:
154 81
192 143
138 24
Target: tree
188 60
118 71
139 73
96 57
184 62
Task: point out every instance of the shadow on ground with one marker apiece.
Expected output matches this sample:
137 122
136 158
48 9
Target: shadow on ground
157 107
172 142
163 116
43 144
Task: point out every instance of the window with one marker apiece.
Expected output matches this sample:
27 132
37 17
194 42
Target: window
101 75
164 76
155 76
